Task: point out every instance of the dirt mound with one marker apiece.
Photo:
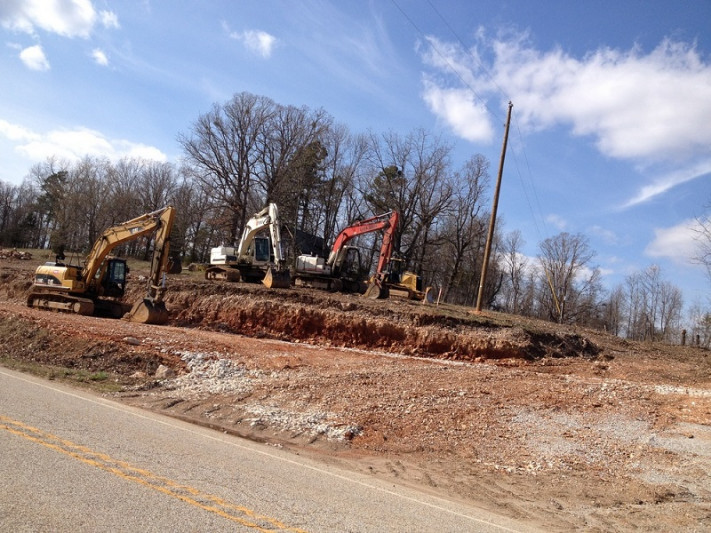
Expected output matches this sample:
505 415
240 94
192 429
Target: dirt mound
396 326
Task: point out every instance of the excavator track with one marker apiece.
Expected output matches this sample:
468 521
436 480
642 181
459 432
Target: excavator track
60 302
222 273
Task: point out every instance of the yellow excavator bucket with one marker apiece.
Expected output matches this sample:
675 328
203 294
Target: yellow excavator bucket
147 311
277 279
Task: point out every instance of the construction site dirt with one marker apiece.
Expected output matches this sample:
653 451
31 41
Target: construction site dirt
561 428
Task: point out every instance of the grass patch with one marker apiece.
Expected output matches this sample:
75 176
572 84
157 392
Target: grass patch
100 382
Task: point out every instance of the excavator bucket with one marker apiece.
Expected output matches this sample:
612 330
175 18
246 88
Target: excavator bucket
147 311
277 279
376 291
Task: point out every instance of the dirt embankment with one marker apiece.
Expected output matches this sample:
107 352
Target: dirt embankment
566 430
396 326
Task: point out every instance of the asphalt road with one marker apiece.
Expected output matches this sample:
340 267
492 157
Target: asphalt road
74 461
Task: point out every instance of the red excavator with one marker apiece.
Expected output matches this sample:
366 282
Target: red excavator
342 270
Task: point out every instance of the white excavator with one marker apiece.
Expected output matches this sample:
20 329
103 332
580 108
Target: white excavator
257 257
96 288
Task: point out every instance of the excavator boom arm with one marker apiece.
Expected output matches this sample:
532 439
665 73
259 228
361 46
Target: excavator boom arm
161 253
387 221
267 217
128 231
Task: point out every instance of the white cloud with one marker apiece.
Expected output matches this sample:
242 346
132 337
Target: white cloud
608 236
556 220
73 144
259 42
68 18
14 132
643 107
33 57
678 243
100 57
668 181
458 108
109 19
649 108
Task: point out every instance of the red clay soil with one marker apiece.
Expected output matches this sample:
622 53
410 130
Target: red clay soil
562 429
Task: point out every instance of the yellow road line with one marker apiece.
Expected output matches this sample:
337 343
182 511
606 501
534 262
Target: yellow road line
122 469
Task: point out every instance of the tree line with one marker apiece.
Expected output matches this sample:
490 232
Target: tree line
250 150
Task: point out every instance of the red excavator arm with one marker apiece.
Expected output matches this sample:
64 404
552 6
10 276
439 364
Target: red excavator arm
387 221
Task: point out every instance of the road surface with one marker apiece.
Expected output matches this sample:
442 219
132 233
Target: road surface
74 461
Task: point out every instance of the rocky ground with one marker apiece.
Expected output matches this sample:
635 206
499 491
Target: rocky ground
562 429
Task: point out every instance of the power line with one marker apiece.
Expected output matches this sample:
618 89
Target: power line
445 59
535 205
466 48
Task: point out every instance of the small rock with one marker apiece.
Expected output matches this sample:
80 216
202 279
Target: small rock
138 375
132 340
164 372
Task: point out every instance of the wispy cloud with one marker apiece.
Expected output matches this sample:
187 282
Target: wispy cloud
109 19
73 144
100 57
33 57
668 181
256 41
557 221
608 236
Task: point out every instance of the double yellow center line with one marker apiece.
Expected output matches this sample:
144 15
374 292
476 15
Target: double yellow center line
122 469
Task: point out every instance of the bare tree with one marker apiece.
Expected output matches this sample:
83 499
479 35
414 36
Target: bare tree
614 311
124 178
653 306
514 266
464 225
700 320
157 183
291 153
410 175
564 260
222 152
703 237
341 167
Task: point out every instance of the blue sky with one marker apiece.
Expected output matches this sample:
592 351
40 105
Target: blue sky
611 131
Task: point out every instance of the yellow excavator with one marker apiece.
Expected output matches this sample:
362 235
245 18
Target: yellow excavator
97 287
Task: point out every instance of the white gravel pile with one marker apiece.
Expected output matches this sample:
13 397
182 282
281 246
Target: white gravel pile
212 373
315 423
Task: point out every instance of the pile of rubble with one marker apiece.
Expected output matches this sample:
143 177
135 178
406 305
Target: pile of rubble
14 253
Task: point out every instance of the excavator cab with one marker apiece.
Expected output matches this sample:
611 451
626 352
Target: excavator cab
351 266
262 249
114 280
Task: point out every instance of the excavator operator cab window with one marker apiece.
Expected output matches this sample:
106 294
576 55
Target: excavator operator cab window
262 250
351 263
115 279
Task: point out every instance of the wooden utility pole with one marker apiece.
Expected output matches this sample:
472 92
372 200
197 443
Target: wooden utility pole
492 222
